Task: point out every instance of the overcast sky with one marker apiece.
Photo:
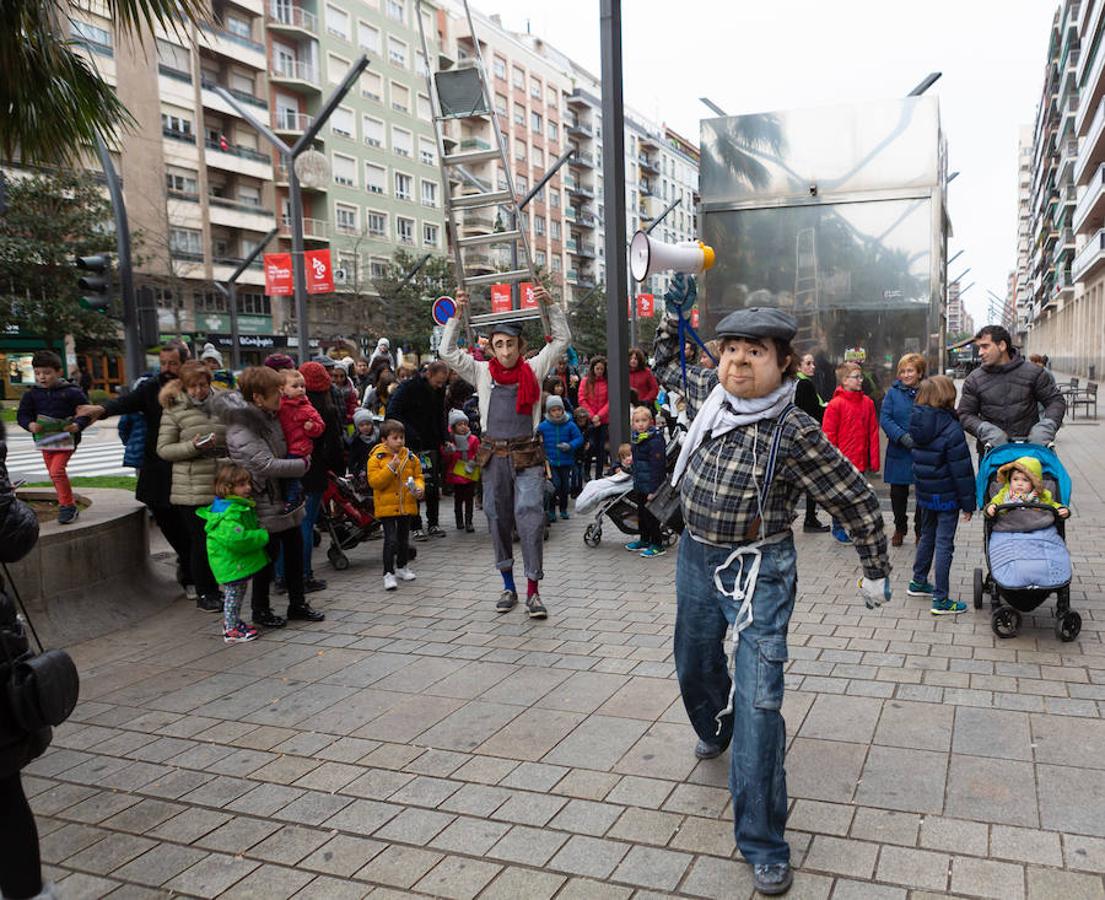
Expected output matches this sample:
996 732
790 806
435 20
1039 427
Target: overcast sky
780 54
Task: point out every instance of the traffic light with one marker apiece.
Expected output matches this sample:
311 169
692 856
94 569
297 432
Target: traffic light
97 283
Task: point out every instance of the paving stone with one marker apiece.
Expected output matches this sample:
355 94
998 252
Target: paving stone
841 856
476 800
698 800
1026 845
458 878
363 816
862 890
597 743
313 808
837 718
914 868
992 732
586 817
143 816
82 886
99 807
645 826
60 797
984 878
425 791
955 835
824 770
158 865
399 866
59 845
1085 853
190 825
652 867
586 785
377 784
115 850
467 835
1045 884
1063 741
534 777
886 826
530 809
821 818
589 856
586 889
289 845
992 790
907 780
269 883
1072 800
414 826
720 879
342 855
633 790
326 888
528 846
264 799
513 883
237 835
532 734
915 726
211 876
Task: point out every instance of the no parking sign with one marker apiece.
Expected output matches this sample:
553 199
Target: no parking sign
443 310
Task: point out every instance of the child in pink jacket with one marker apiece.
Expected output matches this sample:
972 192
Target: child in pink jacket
458 457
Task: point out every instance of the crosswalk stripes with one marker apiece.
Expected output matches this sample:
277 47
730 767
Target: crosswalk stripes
90 459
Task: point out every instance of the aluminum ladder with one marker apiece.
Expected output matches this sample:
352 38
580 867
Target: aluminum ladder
463 93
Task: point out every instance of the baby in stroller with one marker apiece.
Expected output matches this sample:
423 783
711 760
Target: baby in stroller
1023 482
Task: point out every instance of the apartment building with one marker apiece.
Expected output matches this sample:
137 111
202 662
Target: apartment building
1022 291
1066 319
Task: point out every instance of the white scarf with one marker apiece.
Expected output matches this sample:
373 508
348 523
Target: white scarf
722 412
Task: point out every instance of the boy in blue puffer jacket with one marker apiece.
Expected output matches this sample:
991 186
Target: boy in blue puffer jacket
562 439
945 484
649 459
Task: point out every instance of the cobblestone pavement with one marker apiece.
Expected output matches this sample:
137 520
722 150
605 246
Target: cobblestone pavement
417 743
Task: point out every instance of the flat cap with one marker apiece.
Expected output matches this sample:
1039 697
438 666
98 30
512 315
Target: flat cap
507 328
758 322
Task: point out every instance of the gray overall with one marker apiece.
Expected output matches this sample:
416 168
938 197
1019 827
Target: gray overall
513 499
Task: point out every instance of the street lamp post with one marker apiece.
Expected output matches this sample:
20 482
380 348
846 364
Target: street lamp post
230 291
288 155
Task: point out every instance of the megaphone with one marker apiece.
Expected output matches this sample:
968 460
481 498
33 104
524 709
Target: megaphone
647 256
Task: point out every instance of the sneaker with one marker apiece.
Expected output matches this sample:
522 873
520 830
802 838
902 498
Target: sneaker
920 589
405 574
268 619
67 515
209 603
841 535
564 515
772 879
279 587
535 609
635 546
390 584
239 634
248 628
948 607
507 601
312 585
550 517
435 531
650 552
418 535
815 527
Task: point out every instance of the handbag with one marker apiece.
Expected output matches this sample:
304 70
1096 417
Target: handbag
43 690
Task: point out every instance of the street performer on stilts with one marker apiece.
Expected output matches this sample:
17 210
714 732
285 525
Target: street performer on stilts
512 459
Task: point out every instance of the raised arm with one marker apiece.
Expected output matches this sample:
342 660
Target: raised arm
668 371
461 362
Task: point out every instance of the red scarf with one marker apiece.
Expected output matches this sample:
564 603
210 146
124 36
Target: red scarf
522 375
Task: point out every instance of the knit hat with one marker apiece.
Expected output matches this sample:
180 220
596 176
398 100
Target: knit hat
346 362
279 361
315 376
554 402
456 416
209 352
1029 466
325 361
359 416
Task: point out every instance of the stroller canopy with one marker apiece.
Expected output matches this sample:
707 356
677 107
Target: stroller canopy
989 464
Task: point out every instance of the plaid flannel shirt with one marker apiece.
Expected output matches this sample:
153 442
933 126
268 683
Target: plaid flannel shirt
721 484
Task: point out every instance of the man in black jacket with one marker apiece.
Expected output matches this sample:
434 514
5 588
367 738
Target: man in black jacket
156 475
419 403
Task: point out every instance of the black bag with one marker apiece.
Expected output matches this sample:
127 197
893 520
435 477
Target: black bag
666 507
18 531
43 689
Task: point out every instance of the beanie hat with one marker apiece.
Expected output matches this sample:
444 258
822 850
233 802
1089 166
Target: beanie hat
315 376
346 362
554 402
209 352
359 416
279 361
456 416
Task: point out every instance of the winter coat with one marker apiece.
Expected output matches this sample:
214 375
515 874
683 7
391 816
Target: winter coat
156 475
235 539
387 474
329 455
852 427
132 432
649 460
894 419
807 399
347 401
193 478
598 403
59 402
255 441
295 414
421 409
450 456
1009 396
942 470
563 432
357 450
645 384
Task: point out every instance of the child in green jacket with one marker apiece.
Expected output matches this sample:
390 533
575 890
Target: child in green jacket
235 546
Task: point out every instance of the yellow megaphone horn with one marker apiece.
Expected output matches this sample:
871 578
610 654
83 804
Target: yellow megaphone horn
647 256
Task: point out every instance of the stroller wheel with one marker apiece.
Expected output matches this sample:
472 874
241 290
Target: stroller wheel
1005 622
1068 626
978 588
337 559
592 537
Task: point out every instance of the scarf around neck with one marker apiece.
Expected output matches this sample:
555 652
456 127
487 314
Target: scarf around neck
722 412
529 392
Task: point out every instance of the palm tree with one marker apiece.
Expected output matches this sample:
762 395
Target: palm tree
53 103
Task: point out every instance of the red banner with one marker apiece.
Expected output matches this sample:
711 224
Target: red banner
525 291
646 306
320 274
500 298
278 275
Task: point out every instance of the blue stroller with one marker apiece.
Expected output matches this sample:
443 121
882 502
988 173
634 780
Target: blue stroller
1025 546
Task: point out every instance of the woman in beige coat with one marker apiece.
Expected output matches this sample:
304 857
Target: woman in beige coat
192 439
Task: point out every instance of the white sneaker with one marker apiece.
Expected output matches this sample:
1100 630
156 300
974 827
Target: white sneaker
405 574
390 584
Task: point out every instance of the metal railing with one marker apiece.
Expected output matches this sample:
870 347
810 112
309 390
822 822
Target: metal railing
240 40
293 16
295 69
1088 254
242 152
288 120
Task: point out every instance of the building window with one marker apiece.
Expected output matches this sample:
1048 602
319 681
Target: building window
554 199
254 303
400 97
345 218
249 195
373 130
375 178
396 10
377 227
554 230
427 153
403 186
424 112
404 230
185 242
336 68
341 122
397 52
535 122
535 89
420 65
345 170
521 184
520 151
176 125
429 193
337 22
519 78
430 234
554 130
498 66
500 104
368 36
539 162
182 182
98 39
539 258
209 302
372 86
378 268
556 264
519 114
401 141
539 226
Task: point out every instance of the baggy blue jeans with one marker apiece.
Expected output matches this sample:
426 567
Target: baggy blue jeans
937 540
756 730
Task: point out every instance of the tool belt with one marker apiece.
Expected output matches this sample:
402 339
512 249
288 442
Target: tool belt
524 452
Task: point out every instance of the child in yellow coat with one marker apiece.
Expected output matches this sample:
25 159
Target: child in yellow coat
395 476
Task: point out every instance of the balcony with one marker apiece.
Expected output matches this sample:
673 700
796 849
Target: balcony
313 229
1063 244
241 152
584 251
1090 258
582 159
1093 89
285 17
185 137
1089 214
242 50
235 214
581 190
1064 284
648 165
1092 149
580 129
586 220
211 100
295 73
286 121
280 176
474 144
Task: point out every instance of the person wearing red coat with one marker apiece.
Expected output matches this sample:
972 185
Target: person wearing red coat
594 397
852 426
641 379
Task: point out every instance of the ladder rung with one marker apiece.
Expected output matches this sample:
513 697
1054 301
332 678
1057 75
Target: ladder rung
511 315
472 201
495 237
471 157
498 277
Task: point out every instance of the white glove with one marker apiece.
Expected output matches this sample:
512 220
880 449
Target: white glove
875 591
